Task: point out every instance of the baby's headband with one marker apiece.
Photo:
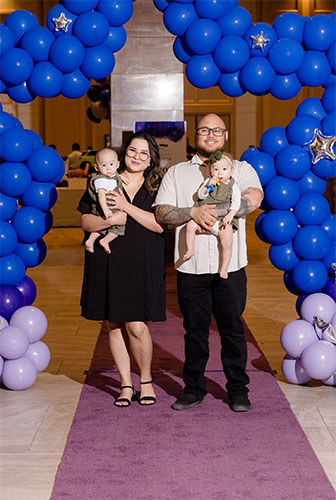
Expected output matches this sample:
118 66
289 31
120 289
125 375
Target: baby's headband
215 157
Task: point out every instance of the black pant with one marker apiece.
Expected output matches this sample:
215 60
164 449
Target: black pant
199 297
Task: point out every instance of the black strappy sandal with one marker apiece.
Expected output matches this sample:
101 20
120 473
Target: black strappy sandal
126 400
151 399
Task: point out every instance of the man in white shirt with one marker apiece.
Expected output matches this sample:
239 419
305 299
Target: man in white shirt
73 157
201 291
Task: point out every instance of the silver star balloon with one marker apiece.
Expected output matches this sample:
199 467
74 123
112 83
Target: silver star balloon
321 146
320 326
61 22
329 335
259 41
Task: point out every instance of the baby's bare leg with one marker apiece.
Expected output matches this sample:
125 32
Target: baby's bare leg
89 244
191 229
105 242
225 237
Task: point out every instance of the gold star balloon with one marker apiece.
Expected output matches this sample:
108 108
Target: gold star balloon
321 146
259 41
61 22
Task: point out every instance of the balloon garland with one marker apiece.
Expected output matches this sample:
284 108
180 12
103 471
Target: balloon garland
220 46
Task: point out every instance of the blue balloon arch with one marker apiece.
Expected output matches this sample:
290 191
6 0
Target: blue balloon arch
220 46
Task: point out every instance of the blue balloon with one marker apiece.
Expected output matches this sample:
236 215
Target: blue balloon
91 28
48 220
257 76
292 162
258 227
332 56
32 254
313 107
8 206
75 85
329 99
177 17
181 51
289 25
310 276
314 70
330 258
285 86
300 129
282 193
8 121
21 93
329 225
67 53
312 208
318 33
16 66
54 14
289 283
202 71
59 176
311 183
212 9
235 21
263 164
77 7
7 38
280 226
30 224
329 124
283 256
36 139
28 290
12 269
15 178
248 152
324 168
21 21
8 238
231 53
202 36
45 80
116 12
16 145
98 62
331 80
273 140
311 243
44 164
42 195
161 5
256 30
37 43
11 299
286 55
230 85
116 38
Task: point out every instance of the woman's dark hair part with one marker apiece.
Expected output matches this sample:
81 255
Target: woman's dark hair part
152 174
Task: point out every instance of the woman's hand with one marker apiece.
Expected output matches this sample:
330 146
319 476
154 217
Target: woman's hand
118 200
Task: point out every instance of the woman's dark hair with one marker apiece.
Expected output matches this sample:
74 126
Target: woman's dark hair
153 173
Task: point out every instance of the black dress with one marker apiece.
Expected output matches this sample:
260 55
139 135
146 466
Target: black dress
129 283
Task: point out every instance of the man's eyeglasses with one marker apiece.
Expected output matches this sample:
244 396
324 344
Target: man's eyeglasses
132 152
217 131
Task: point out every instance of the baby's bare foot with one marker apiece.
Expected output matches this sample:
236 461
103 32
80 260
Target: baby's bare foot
188 255
105 246
223 274
89 247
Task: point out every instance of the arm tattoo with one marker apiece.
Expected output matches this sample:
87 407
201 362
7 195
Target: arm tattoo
250 200
245 207
172 216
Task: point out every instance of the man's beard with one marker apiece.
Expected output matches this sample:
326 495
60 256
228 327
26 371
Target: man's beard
207 153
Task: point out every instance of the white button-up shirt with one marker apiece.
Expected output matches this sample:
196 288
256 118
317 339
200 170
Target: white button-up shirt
179 188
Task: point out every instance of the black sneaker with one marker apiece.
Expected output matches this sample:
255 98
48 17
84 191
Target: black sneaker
187 401
240 402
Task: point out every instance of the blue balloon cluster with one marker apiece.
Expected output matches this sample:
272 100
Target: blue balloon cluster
293 164
77 45
220 46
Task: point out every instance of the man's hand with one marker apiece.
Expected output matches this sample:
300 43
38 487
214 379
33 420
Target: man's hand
117 219
205 216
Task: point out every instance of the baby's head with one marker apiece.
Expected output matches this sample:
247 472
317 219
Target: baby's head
106 161
221 165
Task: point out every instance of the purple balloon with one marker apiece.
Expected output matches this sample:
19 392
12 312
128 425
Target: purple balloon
19 374
3 322
1 365
331 380
28 289
32 321
39 354
330 288
320 305
298 303
13 342
10 300
296 336
319 359
293 370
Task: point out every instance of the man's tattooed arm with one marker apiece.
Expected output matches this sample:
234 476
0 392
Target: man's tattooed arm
169 215
251 199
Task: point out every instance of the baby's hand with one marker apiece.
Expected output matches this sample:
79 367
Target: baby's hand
227 220
108 213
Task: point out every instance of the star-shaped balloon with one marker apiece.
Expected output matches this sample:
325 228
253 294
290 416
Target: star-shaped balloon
320 326
61 22
321 146
329 335
259 41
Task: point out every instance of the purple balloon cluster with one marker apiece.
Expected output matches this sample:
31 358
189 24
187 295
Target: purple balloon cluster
22 353
220 46
292 164
77 45
310 342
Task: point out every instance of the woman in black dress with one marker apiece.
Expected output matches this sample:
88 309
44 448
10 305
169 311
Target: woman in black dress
126 288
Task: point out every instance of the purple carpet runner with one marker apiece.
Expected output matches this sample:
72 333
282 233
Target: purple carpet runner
206 453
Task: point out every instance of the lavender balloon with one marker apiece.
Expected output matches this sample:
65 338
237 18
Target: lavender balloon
3 322
1 365
39 354
318 305
13 342
32 321
331 380
19 374
293 370
319 359
296 336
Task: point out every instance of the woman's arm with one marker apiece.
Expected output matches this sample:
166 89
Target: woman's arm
94 223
